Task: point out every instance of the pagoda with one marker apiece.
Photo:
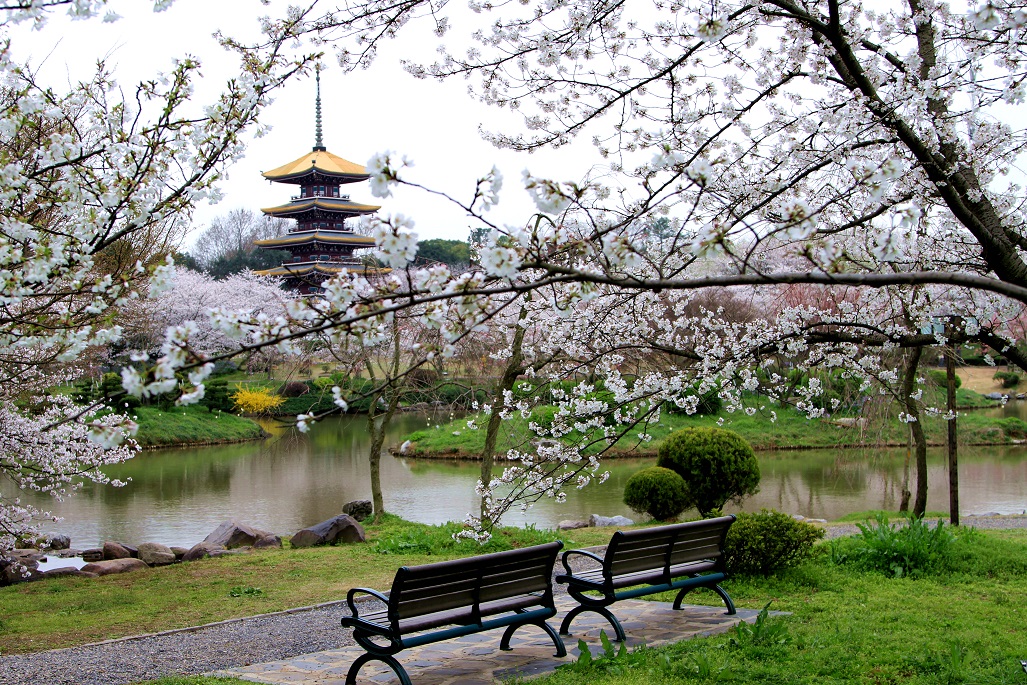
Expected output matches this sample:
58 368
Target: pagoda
320 244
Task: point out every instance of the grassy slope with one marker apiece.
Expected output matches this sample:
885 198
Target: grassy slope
790 429
192 424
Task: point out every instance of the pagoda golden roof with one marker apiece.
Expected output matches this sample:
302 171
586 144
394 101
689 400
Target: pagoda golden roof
318 161
301 237
329 203
320 268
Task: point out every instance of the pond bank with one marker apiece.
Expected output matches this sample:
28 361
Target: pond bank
192 426
784 429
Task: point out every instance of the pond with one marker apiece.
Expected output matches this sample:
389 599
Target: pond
178 496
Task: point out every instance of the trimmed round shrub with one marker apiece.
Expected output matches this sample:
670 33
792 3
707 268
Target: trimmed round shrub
656 491
718 466
760 543
941 379
293 389
1008 379
422 377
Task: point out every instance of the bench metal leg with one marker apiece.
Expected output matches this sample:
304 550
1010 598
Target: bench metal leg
351 677
504 644
602 611
716 588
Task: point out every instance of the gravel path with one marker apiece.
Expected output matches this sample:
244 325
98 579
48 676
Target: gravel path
237 642
201 649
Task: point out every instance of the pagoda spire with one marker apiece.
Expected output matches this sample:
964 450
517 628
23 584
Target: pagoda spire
318 144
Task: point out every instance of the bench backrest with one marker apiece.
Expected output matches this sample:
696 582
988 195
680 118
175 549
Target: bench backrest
662 547
420 590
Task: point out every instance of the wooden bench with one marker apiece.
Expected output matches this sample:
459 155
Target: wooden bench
681 557
452 598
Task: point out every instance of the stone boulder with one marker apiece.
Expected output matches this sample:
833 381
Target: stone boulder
64 572
17 569
571 525
596 520
342 528
179 552
113 550
201 550
268 542
234 534
156 554
106 568
58 542
359 509
93 554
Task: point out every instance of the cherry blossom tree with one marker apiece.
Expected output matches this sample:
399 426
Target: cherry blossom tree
96 183
774 143
191 300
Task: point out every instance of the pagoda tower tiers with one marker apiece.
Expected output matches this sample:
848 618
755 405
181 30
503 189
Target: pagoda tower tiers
320 244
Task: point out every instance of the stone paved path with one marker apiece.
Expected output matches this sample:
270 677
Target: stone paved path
477 659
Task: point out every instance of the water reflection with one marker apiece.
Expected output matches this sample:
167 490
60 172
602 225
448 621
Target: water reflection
293 480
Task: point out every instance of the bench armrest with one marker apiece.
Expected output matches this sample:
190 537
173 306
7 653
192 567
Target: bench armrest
580 552
367 591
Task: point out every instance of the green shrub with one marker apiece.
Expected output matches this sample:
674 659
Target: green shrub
216 396
718 466
760 543
422 377
126 402
709 404
1013 427
1009 379
656 491
293 389
940 378
110 385
913 549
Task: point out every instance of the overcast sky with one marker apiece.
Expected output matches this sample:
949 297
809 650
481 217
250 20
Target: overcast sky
436 125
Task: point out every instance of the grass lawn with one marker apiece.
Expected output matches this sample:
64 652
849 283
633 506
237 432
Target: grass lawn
191 425
68 611
964 623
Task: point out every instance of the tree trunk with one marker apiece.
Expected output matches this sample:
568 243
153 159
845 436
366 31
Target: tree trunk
917 430
906 494
488 454
379 415
376 430
950 398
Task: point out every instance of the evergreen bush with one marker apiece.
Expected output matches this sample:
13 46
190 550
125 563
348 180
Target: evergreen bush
656 491
293 389
940 379
215 396
1009 379
759 544
709 404
718 466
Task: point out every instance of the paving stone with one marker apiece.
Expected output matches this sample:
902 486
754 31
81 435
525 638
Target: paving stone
477 659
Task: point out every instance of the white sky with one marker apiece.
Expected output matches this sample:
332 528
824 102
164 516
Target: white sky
434 124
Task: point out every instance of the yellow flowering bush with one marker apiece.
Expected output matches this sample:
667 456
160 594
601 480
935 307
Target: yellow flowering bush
256 401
